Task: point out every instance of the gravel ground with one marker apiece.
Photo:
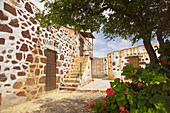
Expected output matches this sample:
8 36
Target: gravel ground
58 102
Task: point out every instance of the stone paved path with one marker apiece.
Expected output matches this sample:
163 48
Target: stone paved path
63 101
96 85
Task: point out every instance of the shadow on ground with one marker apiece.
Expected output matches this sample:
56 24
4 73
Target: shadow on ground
75 105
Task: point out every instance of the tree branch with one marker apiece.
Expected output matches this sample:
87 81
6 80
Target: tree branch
162 27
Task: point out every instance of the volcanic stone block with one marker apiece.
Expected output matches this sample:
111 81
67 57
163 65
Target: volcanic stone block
7 85
35 40
26 34
44 60
14 23
13 77
3 77
14 62
5 28
33 92
6 69
58 64
30 81
25 67
17 85
42 80
36 60
58 79
19 56
17 68
62 57
28 8
4 51
11 37
3 16
61 72
1 58
21 93
21 73
29 58
40 52
37 72
33 20
10 9
24 47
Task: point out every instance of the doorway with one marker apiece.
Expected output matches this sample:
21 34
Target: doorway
51 70
134 60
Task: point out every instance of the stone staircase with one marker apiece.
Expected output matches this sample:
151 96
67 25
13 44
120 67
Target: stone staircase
72 80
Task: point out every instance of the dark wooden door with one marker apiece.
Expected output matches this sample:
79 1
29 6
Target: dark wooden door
81 47
134 60
51 70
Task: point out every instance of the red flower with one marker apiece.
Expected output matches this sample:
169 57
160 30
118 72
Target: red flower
110 92
126 111
121 82
121 108
90 106
91 103
86 104
104 100
161 60
139 84
164 63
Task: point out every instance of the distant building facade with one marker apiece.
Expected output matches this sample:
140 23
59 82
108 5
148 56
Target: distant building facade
99 66
137 56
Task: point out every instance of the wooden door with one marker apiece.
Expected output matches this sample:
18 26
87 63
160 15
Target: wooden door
51 70
81 47
134 60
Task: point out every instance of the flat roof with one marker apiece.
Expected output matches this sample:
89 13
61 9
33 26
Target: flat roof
87 35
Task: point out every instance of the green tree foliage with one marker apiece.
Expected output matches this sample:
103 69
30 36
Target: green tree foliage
128 19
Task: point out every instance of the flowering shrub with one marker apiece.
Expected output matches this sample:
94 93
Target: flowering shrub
144 95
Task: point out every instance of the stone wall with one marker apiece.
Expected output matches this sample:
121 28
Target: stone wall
23 46
99 66
118 59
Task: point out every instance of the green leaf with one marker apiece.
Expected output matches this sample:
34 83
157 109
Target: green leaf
113 106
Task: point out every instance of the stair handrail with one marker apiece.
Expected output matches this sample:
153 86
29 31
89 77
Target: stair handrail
80 66
80 62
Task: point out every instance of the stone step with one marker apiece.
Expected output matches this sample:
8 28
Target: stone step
83 65
77 71
75 67
71 80
70 84
68 88
72 76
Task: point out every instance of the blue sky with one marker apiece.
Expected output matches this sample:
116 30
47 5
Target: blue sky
101 46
